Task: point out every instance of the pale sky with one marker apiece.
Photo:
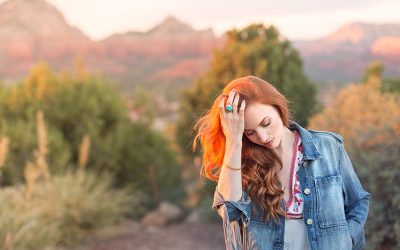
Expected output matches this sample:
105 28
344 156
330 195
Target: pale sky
295 19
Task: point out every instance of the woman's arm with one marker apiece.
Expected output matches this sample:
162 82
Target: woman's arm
356 200
229 189
230 181
233 204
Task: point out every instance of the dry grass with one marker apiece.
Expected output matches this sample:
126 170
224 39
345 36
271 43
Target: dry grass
59 212
41 162
84 152
50 211
3 151
3 154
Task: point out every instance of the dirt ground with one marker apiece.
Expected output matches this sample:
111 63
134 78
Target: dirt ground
182 236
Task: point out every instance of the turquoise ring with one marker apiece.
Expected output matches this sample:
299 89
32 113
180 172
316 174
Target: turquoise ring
229 108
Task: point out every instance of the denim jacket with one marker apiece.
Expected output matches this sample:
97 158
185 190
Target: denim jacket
335 204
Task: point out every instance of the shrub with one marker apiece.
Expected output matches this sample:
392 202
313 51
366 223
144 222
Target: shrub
59 212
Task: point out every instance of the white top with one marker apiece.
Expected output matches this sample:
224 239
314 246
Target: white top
295 235
295 228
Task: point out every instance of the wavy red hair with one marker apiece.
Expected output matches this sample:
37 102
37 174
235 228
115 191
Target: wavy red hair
260 165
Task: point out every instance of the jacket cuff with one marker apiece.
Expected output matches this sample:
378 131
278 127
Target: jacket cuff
234 208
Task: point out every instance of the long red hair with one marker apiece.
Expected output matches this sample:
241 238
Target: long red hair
260 165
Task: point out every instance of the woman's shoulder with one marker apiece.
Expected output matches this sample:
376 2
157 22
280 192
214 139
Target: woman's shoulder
317 135
326 136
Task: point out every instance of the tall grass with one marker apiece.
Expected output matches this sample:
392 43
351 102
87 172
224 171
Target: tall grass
59 212
48 210
3 154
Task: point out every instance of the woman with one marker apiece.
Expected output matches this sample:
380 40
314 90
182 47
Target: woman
280 186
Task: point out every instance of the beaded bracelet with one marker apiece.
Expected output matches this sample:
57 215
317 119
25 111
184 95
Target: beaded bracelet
226 165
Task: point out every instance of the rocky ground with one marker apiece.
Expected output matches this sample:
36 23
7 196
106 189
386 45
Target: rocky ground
177 236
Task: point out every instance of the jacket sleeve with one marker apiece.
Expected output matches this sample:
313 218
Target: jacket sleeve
356 200
234 216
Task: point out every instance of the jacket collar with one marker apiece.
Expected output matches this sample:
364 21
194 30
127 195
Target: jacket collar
310 150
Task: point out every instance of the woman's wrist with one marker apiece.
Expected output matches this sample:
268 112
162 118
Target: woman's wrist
233 148
230 167
234 142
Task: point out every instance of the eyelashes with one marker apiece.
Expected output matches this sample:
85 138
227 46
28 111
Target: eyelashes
263 125
266 125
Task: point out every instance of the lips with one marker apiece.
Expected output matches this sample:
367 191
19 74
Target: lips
269 144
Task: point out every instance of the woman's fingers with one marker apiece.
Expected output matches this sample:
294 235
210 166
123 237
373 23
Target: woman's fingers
231 97
232 122
241 110
235 104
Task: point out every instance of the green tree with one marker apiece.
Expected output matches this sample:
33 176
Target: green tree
78 104
142 103
391 85
147 163
255 50
374 70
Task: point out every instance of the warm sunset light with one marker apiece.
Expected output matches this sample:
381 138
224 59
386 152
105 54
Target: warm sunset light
209 124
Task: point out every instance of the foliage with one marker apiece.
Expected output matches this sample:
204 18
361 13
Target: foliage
142 103
78 105
391 85
146 164
73 105
369 120
60 212
255 50
375 70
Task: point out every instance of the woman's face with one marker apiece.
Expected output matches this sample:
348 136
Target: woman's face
263 125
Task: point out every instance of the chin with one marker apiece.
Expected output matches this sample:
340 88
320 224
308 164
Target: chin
275 144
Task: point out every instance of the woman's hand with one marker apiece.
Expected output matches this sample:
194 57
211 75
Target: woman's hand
232 122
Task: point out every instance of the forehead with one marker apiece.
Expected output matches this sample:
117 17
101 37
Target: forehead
255 112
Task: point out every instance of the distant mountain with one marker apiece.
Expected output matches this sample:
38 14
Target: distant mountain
173 53
388 47
170 49
171 28
344 55
362 33
34 29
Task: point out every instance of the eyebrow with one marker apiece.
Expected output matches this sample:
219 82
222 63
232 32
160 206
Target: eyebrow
259 123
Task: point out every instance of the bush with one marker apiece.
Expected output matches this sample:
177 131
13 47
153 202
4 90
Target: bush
147 163
73 106
60 212
368 118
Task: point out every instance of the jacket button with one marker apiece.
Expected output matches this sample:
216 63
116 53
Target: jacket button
307 191
309 221
305 163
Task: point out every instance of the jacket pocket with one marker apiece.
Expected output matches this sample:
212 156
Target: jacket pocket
330 204
349 237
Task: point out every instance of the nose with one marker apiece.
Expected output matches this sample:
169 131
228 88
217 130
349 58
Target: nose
262 136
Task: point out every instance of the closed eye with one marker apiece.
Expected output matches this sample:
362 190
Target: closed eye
262 125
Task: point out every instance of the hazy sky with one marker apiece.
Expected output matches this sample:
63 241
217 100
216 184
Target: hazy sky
296 19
